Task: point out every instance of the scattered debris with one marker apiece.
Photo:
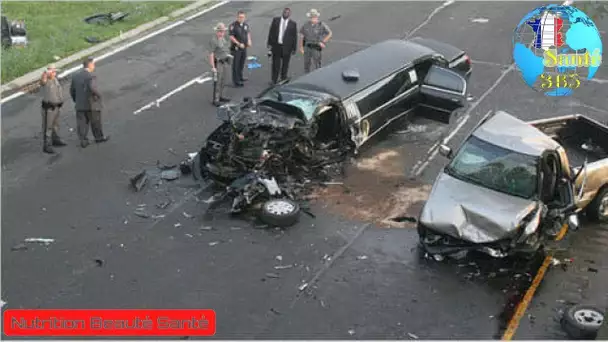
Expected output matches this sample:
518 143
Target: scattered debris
141 213
272 275
303 287
99 262
332 183
2 303
189 235
163 205
279 257
105 18
412 336
169 175
206 228
362 257
283 267
139 180
351 331
334 17
404 219
480 20
438 257
93 40
19 247
322 303
213 243
591 269
274 311
177 225
165 167
185 168
40 240
186 215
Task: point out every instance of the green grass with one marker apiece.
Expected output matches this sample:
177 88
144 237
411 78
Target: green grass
57 28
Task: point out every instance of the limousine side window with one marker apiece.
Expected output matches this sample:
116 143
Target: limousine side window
384 91
445 80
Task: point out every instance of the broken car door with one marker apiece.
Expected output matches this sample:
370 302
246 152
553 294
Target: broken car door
557 190
442 92
386 101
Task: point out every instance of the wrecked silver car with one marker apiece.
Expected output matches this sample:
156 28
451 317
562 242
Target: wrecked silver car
510 188
292 132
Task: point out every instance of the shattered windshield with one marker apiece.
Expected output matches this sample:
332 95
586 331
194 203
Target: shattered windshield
306 103
496 168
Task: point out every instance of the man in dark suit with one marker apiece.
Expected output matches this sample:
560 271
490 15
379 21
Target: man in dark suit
87 100
282 42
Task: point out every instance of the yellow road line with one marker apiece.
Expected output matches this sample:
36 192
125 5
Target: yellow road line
523 304
562 232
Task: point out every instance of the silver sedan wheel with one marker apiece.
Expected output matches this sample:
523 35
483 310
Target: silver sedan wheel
590 318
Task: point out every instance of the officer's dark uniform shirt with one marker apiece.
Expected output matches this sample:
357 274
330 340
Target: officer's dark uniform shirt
240 32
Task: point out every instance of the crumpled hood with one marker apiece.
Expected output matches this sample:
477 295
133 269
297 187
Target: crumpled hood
276 116
472 213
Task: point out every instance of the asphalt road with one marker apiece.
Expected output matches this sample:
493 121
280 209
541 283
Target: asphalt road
365 280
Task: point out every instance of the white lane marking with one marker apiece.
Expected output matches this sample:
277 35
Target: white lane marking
200 80
480 20
128 45
598 80
428 19
350 42
424 165
500 65
12 96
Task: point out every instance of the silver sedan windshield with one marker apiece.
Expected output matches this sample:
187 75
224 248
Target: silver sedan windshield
496 168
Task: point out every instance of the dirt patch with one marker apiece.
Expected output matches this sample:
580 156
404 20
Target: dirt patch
376 189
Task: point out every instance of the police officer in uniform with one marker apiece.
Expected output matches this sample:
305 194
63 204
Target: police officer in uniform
219 58
240 37
52 101
314 34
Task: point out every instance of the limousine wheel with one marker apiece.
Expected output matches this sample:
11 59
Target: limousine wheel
582 322
280 212
598 208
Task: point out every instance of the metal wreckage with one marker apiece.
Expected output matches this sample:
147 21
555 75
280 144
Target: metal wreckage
272 148
267 162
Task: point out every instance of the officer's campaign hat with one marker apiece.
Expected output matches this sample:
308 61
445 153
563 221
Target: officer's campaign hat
313 13
220 27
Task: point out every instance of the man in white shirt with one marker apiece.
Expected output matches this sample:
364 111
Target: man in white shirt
282 43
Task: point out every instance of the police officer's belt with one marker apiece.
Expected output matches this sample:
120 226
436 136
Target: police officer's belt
316 46
50 105
223 60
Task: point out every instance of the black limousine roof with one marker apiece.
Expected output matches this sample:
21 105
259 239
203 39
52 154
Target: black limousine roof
372 64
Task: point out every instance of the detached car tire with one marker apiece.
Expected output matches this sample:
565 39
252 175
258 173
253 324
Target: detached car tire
598 208
280 212
582 322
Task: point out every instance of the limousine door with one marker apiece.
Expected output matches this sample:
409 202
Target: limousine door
442 92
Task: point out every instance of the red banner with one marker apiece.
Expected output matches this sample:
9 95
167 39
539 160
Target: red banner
109 322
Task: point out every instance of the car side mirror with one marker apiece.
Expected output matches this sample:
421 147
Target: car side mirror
445 151
573 222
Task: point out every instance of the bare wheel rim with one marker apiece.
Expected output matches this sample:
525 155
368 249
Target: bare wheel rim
587 317
280 208
604 206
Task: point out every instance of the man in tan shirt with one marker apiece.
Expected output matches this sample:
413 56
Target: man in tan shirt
52 101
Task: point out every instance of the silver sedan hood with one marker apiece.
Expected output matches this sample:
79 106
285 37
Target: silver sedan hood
472 213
